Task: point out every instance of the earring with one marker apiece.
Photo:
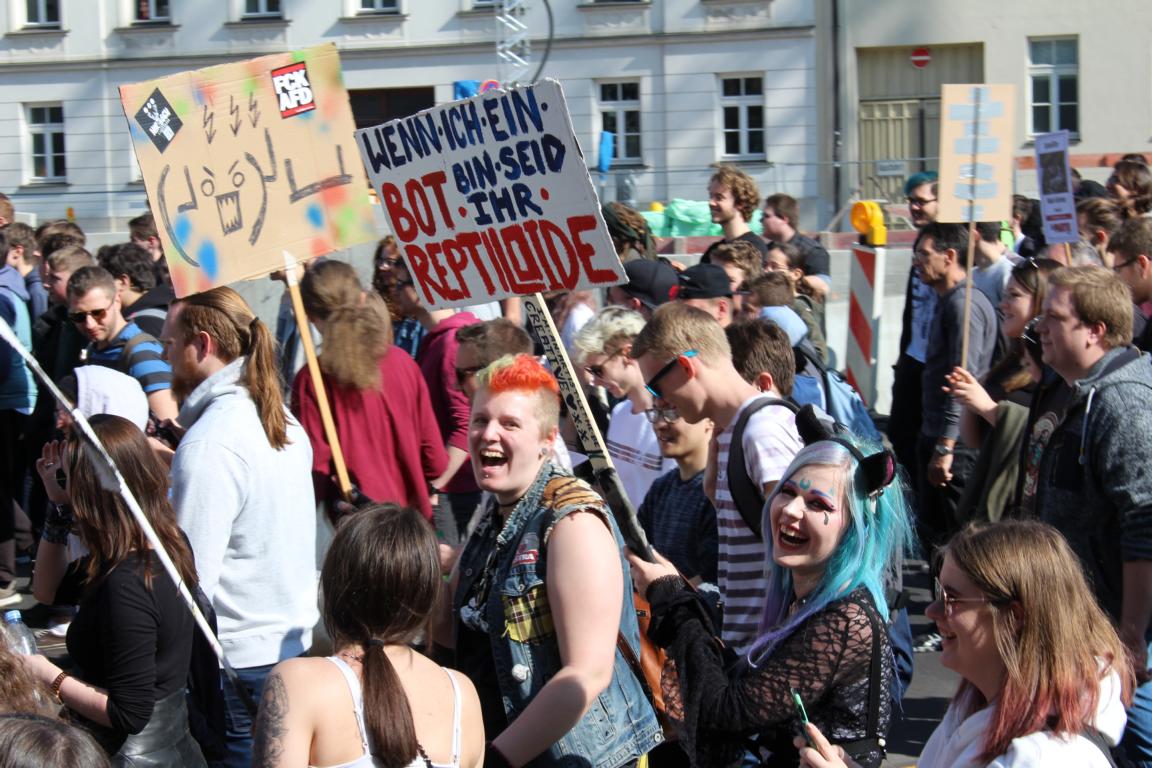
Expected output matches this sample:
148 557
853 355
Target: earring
543 452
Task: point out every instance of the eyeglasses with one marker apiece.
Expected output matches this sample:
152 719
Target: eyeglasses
1117 267
950 601
463 374
80 317
598 370
651 384
670 415
917 202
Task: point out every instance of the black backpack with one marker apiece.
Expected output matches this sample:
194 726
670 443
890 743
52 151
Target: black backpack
749 499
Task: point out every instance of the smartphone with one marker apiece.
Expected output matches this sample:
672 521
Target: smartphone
802 714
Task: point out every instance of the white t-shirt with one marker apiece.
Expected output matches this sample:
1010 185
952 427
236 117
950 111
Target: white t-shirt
635 451
770 443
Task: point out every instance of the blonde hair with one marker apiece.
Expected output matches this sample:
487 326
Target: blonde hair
676 327
1100 296
357 328
611 329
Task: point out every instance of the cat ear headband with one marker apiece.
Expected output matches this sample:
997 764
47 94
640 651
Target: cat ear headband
873 473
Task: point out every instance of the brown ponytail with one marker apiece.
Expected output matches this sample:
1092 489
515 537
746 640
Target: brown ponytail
226 317
380 581
356 325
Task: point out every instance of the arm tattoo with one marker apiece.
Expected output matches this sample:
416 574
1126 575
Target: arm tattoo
268 746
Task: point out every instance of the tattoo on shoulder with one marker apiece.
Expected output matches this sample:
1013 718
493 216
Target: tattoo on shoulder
268 746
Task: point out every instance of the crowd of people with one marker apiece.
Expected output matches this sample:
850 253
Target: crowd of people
478 602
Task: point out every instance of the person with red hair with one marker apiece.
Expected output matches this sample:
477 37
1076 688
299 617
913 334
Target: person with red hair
1044 674
542 593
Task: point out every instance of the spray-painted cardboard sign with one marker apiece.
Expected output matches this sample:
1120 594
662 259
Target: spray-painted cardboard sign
490 198
244 161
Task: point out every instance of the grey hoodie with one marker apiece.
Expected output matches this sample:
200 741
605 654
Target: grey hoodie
1095 477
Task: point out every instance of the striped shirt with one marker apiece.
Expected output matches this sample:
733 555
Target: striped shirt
770 442
143 362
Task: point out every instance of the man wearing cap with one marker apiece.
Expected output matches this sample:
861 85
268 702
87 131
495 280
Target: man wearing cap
706 286
649 285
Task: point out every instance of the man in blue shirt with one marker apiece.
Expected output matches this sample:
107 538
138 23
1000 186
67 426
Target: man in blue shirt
94 306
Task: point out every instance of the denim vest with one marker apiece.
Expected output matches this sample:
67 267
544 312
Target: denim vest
17 385
620 725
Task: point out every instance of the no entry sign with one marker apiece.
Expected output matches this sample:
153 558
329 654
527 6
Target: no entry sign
921 57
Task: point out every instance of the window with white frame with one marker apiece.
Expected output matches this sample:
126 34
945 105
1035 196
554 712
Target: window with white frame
1053 85
152 10
379 6
46 140
620 114
742 116
254 9
42 13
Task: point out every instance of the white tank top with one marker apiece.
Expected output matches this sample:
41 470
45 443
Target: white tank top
366 760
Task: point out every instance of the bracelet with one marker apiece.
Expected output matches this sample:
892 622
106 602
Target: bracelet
55 687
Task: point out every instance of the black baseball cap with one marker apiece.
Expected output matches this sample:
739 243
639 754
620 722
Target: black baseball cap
703 281
651 282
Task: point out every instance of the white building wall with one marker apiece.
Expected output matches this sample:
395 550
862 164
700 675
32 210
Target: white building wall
675 49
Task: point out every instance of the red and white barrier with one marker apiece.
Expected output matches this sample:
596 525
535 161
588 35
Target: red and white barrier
866 295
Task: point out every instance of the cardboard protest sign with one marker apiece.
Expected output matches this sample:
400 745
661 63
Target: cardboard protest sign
977 131
244 161
490 198
1057 203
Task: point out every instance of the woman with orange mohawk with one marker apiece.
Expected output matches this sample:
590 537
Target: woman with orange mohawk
540 599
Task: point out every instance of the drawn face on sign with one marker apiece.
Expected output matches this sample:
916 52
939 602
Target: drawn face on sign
248 160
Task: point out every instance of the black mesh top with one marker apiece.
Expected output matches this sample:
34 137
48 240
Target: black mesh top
723 702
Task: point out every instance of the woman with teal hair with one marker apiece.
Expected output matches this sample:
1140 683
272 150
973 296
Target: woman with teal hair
833 527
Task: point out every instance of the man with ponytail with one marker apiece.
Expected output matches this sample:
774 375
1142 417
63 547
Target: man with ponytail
242 489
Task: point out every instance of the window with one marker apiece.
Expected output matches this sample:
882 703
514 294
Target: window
43 13
620 114
152 10
1053 84
379 6
742 107
373 106
256 8
46 131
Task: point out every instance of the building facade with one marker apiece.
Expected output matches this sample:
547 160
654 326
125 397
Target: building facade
683 84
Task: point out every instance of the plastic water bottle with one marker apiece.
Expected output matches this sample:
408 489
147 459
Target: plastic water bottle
20 638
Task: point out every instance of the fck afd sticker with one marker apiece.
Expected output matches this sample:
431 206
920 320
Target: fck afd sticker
159 120
293 89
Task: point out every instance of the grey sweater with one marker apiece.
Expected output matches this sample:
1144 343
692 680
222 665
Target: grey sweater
942 412
1095 483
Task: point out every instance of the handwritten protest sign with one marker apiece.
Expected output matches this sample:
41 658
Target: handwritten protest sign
977 132
490 198
244 161
1057 203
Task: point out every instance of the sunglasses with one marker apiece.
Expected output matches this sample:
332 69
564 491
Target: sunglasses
598 370
670 415
463 374
80 317
389 263
652 385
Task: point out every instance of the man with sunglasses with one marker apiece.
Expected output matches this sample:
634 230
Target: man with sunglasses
687 362
94 307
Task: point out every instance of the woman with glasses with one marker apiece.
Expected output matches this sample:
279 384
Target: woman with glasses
388 434
834 524
542 609
1044 675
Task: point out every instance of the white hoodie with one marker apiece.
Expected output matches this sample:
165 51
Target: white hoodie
248 510
957 744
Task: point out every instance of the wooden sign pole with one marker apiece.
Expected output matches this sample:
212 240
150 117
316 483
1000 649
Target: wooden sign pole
971 231
317 380
587 431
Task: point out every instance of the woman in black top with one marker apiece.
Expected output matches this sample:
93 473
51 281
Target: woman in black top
131 640
832 528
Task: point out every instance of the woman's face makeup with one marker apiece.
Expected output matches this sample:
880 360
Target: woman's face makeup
808 519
